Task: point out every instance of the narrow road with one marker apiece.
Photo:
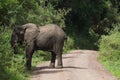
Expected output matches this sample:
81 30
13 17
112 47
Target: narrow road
78 65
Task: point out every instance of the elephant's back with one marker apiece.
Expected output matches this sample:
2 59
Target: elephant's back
48 27
52 29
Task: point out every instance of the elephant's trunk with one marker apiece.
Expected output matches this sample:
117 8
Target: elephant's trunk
14 40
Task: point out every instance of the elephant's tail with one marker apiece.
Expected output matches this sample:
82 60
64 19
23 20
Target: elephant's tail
66 42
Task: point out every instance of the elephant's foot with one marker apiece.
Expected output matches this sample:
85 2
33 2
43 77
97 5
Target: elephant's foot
59 66
29 69
52 65
28 66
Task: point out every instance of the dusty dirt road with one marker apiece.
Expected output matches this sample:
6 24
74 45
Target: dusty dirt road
78 65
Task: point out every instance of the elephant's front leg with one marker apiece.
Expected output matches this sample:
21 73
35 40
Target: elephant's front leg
29 53
53 57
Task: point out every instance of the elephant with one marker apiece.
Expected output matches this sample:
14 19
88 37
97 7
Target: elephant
47 38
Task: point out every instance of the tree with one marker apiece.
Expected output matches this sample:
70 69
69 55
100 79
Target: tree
34 11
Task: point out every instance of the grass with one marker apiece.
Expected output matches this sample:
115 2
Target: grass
113 67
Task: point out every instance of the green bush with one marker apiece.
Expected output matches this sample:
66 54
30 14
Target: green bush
110 52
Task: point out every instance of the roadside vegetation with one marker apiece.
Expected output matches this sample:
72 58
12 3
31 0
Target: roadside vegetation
89 25
110 51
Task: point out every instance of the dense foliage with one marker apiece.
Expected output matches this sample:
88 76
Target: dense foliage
84 21
89 20
110 51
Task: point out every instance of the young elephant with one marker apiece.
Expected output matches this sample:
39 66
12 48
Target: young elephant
47 38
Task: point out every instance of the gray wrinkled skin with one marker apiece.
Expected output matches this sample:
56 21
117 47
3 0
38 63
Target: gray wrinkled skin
47 38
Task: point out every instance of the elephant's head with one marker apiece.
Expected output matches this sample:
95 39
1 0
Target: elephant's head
17 37
24 33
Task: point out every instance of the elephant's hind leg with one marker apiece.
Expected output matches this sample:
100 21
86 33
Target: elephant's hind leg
59 56
59 59
53 57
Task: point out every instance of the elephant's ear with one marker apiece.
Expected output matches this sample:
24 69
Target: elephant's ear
31 31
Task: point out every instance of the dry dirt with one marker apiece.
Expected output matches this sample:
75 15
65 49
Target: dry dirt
78 65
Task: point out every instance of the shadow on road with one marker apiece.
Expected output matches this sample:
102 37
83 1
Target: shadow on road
47 70
74 67
46 67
